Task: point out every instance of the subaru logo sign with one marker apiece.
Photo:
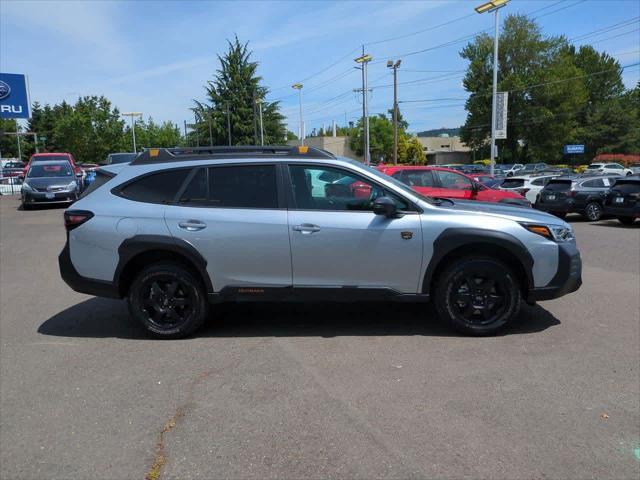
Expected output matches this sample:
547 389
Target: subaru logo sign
5 90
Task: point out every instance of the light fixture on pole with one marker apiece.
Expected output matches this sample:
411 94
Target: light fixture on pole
133 126
259 101
493 6
298 86
364 59
395 67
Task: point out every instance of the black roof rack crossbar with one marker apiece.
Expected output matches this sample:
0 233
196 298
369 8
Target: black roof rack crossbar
160 155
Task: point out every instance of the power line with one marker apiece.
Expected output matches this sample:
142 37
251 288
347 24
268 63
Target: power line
615 26
615 36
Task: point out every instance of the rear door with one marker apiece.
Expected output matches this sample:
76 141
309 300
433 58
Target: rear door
421 180
337 240
236 218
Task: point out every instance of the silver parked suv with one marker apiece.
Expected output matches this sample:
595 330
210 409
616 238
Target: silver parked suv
177 230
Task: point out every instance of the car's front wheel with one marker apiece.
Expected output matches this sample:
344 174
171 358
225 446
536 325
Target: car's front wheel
168 300
478 296
593 211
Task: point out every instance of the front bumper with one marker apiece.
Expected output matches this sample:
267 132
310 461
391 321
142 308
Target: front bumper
31 197
77 282
567 279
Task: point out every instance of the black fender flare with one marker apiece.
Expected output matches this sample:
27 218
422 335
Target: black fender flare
453 238
139 244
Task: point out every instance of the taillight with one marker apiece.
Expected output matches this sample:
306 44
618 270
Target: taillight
75 218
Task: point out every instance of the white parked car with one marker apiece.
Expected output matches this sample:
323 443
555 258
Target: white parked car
510 169
528 186
608 168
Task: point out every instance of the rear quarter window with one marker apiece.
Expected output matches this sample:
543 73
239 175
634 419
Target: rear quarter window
102 177
161 187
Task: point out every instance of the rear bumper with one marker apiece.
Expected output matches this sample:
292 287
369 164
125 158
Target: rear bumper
633 211
562 207
567 279
77 282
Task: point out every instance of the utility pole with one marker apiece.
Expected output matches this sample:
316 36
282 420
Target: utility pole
185 132
210 132
133 126
298 86
493 6
229 124
364 60
395 66
195 126
260 100
18 137
255 123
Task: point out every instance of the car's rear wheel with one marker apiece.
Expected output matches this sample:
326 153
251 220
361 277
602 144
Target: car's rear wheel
168 300
478 296
626 220
593 211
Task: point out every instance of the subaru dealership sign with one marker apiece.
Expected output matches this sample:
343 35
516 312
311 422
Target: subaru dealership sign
14 96
573 149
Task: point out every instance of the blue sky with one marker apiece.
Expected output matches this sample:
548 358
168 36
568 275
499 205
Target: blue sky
154 57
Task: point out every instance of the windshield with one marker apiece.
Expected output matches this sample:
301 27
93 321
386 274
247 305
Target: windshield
56 170
122 157
397 183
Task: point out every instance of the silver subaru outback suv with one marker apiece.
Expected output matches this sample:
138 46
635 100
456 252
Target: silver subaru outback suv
178 230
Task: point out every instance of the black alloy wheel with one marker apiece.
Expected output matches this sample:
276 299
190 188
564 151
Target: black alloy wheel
593 211
168 300
478 296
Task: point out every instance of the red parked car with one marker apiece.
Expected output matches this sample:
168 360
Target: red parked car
52 156
447 183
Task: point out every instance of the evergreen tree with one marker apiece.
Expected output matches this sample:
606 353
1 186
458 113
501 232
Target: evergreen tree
235 89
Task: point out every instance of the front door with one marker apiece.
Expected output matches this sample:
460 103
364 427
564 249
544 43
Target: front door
232 215
336 239
454 185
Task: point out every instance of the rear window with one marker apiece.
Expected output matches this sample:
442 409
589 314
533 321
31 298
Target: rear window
102 177
47 158
512 183
627 187
558 185
161 187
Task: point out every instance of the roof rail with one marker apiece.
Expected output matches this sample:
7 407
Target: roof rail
160 155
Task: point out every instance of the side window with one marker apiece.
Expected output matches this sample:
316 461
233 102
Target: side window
418 178
196 191
615 166
245 186
540 181
159 187
453 180
347 192
595 183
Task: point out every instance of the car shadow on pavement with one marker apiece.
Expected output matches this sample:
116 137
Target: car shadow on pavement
104 318
616 224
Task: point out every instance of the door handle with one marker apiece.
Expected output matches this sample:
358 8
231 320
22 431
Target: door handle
306 228
192 225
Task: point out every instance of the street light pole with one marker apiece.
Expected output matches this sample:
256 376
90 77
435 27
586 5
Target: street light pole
229 124
298 86
261 125
133 126
364 59
395 66
493 6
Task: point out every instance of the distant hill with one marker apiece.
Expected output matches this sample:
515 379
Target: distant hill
452 132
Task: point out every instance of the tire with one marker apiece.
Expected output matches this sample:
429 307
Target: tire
561 215
168 300
626 220
491 279
593 211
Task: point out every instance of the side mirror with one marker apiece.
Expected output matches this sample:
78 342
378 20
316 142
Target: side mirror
385 206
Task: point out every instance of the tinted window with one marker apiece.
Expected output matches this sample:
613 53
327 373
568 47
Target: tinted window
630 187
512 183
101 179
247 186
453 180
349 192
539 181
121 157
595 183
613 165
558 185
196 191
47 158
159 187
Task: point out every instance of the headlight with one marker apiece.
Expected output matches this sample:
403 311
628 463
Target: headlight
558 234
27 187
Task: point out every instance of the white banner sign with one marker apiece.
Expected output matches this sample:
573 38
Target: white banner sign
501 114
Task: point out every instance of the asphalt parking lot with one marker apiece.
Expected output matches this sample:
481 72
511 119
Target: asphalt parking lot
316 391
